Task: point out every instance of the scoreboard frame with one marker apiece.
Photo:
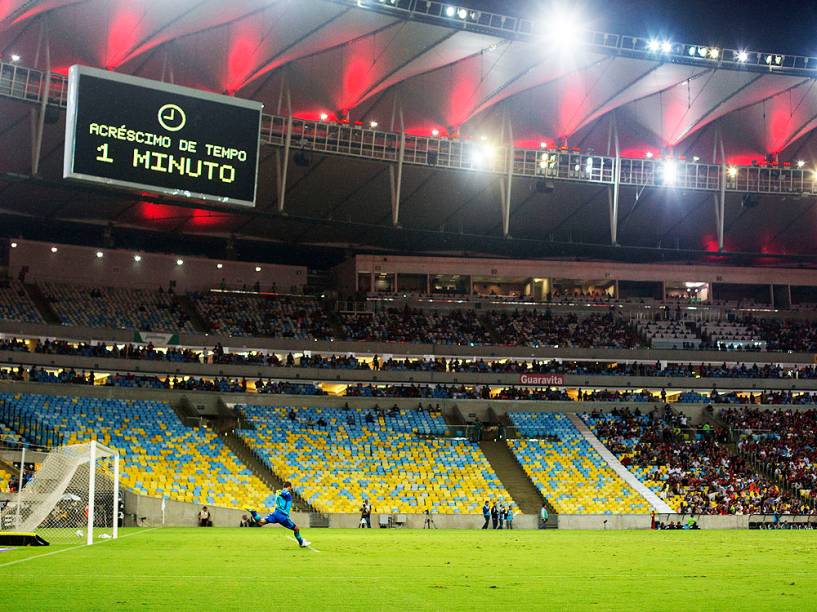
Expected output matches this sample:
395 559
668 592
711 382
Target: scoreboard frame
76 73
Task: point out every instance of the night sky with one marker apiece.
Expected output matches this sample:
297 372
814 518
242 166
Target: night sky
770 25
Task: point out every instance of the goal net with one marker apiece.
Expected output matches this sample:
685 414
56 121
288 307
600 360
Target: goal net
68 494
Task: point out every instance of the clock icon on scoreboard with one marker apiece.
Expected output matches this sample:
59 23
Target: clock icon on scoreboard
172 117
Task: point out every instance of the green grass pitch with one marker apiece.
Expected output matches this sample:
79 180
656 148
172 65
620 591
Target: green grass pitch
262 569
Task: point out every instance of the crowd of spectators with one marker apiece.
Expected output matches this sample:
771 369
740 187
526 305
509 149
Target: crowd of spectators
240 314
696 469
454 327
537 328
783 441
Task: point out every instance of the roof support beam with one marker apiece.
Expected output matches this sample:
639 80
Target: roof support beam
506 182
720 196
38 113
282 157
614 191
396 173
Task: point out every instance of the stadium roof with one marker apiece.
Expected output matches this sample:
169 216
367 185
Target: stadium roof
456 77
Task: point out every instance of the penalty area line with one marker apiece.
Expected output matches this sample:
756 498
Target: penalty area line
57 552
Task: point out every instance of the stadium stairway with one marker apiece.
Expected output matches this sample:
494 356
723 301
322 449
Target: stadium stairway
42 304
526 496
658 504
186 304
249 458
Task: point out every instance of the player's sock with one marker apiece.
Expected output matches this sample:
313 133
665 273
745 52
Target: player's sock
255 516
298 537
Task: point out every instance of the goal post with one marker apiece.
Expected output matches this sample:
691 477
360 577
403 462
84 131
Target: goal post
72 495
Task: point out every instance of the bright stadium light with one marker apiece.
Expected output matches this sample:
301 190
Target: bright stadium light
696 159
462 13
257 268
373 124
324 116
13 245
732 172
15 57
54 249
649 154
219 266
653 45
670 171
703 51
180 262
450 11
666 46
563 29
742 56
435 132
714 53
100 254
800 163
137 258
483 155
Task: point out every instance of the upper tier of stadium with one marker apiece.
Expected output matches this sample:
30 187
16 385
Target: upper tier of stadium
454 85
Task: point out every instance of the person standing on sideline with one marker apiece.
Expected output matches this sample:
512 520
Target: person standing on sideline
486 514
501 515
495 515
543 517
509 517
366 514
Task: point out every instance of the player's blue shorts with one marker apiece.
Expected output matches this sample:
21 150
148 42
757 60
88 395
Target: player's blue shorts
280 518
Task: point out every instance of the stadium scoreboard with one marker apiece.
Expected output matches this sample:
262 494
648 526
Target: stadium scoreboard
147 136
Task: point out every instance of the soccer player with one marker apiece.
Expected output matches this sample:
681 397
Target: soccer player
283 506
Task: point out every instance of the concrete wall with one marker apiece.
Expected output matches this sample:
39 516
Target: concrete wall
367 376
117 268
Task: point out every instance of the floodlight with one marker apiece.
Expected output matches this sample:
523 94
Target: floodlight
180 262
462 13
54 249
324 116
13 245
742 56
714 53
257 268
778 59
653 45
219 266
100 254
670 172
373 124
649 154
769 59
696 159
435 132
589 165
692 51
543 145
450 11
137 258
703 51
666 46
732 172
563 29
800 163
15 57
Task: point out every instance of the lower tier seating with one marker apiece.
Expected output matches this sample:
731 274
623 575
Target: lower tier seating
397 460
567 470
160 456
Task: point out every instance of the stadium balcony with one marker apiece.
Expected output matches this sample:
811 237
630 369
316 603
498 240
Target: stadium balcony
692 469
161 457
399 459
568 472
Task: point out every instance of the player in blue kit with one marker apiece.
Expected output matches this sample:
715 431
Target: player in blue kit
283 506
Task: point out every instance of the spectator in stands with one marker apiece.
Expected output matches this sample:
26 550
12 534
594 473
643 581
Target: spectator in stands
205 519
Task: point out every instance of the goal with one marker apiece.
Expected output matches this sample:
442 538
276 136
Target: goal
71 496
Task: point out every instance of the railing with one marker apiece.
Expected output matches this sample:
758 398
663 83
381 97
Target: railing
330 138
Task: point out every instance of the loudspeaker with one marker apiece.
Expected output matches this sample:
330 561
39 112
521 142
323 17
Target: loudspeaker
541 186
750 200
